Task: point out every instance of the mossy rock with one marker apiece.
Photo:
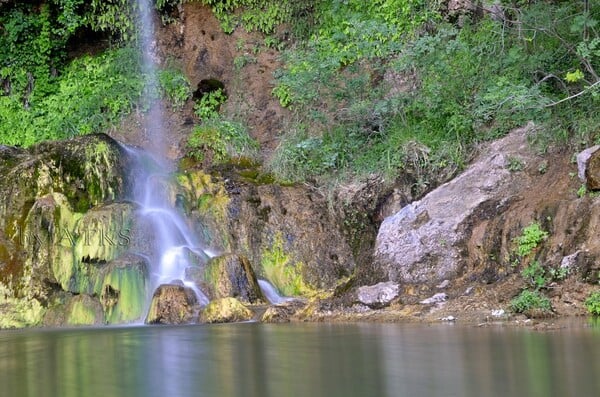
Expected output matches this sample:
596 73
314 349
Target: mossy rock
231 275
84 310
122 288
88 170
206 197
46 189
172 304
226 310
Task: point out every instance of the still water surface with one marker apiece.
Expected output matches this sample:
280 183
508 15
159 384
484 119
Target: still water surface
300 360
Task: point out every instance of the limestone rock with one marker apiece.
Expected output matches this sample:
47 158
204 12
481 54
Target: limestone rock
84 310
425 241
122 287
378 295
172 304
46 189
232 276
286 230
437 298
283 312
226 310
588 167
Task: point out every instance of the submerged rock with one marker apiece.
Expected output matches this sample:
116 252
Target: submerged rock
226 310
379 295
172 304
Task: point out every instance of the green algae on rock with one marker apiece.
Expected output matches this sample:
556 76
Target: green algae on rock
122 287
84 310
231 275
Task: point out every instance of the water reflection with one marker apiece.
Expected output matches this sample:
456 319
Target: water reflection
299 360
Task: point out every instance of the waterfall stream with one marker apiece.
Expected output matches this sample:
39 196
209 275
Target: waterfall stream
175 246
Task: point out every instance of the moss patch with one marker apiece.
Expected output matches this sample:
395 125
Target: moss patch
280 269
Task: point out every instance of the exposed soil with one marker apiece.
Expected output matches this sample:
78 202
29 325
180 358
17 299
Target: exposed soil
240 61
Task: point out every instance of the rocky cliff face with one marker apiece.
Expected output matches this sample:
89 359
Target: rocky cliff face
73 251
62 229
462 239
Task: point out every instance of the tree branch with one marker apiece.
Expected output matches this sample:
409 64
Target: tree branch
574 95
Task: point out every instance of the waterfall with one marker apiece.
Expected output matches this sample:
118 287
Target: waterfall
271 293
174 247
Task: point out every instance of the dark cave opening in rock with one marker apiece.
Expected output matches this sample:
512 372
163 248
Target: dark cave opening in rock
206 86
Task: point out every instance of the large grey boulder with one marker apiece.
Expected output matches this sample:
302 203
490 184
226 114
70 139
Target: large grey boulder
424 242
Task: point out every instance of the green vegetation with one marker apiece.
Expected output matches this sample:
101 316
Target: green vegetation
93 93
208 106
592 303
45 95
174 86
531 303
529 240
258 15
416 94
282 272
217 139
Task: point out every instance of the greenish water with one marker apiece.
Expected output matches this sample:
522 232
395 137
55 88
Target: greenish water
300 360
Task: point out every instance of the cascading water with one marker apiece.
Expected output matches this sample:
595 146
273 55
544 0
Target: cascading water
175 247
271 293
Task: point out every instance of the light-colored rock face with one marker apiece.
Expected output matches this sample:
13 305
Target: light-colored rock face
424 242
588 167
378 295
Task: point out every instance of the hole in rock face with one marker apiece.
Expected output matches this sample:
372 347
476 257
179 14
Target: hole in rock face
207 86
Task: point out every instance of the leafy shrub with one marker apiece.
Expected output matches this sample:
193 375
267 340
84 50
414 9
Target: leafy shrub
208 106
531 303
535 275
255 15
175 86
92 94
592 303
531 237
220 140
